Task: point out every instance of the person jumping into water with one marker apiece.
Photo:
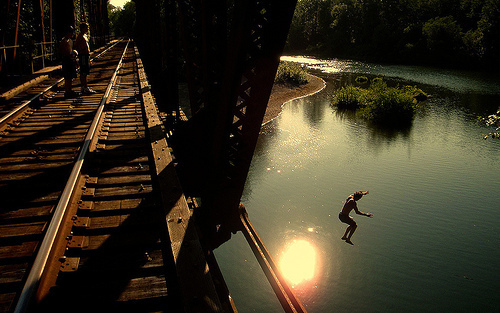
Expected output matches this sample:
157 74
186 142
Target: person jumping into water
349 205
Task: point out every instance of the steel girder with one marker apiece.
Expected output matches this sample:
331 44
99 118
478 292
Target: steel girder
232 52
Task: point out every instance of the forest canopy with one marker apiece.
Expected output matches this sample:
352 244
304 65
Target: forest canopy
458 33
122 20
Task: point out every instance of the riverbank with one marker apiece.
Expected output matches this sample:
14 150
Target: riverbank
281 94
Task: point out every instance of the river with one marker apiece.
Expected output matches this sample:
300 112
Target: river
433 242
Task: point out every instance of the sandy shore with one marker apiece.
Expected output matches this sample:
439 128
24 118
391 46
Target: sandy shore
284 93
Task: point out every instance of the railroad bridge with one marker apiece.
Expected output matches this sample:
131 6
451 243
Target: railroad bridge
116 200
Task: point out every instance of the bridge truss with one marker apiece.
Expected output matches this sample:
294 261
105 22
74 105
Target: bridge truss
227 54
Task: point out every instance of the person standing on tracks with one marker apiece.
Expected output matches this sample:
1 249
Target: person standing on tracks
68 56
349 205
82 45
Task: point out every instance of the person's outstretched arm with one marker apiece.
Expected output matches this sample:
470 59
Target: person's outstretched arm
361 213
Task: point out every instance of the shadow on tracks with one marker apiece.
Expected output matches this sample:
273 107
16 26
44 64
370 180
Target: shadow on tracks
28 195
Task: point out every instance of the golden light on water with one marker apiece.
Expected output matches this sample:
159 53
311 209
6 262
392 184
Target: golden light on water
298 262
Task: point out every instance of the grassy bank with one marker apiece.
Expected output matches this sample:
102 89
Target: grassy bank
291 73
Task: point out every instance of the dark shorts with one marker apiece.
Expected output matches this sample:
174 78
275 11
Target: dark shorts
84 64
346 219
68 68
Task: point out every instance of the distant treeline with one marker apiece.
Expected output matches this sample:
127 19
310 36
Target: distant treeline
458 33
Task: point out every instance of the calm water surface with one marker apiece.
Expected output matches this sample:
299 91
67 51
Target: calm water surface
433 243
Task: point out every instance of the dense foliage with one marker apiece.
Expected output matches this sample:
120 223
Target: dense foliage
439 32
291 73
28 34
122 20
380 103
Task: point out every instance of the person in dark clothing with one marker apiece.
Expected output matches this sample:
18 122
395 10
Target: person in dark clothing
68 56
82 45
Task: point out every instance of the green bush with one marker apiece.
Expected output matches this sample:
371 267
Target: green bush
349 97
380 103
389 106
291 73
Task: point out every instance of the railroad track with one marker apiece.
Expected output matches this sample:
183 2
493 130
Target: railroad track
20 100
112 239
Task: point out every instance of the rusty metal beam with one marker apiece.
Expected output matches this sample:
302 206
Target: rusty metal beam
3 56
42 20
43 32
285 294
50 31
17 29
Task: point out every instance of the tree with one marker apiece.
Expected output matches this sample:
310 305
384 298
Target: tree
489 26
443 36
122 21
463 33
345 26
310 28
113 13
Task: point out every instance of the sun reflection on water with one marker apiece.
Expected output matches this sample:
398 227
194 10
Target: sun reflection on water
298 262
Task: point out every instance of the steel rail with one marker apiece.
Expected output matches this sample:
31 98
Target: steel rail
38 95
287 298
104 51
27 102
41 259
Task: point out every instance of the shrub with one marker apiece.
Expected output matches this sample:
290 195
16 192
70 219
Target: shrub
380 103
349 97
390 106
291 73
